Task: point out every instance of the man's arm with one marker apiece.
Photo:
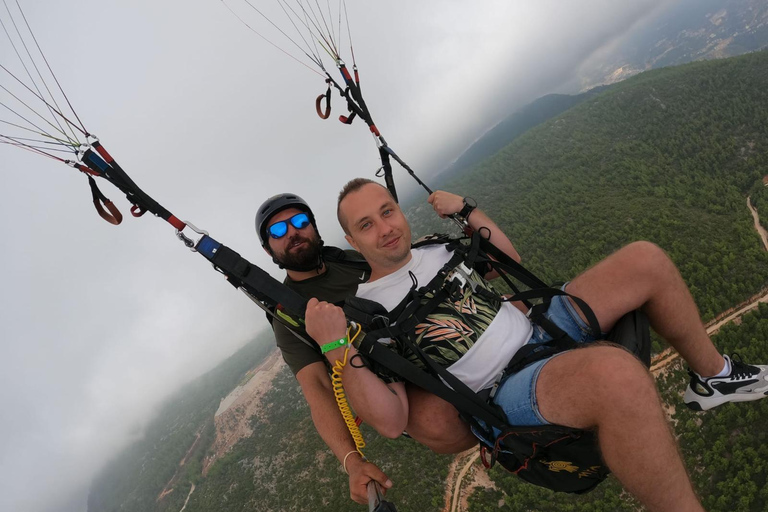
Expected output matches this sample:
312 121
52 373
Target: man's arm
446 204
316 386
383 406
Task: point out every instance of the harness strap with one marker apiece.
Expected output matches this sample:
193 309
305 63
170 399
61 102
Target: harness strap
436 239
282 318
241 273
410 312
336 255
506 263
537 312
407 323
324 114
351 107
528 354
114 216
386 169
463 398
110 170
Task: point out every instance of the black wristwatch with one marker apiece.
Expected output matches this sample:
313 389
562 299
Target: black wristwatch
469 205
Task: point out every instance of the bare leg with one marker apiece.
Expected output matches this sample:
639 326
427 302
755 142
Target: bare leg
641 275
606 388
435 423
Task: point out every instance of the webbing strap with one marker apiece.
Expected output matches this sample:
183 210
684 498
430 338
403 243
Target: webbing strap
241 273
547 294
324 113
386 168
282 319
509 265
114 216
461 396
255 280
110 170
410 312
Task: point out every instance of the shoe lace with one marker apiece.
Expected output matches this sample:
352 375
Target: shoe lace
741 370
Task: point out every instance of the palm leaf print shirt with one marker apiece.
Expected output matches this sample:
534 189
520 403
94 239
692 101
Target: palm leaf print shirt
473 337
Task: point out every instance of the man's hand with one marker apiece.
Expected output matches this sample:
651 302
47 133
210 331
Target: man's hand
360 473
445 203
325 322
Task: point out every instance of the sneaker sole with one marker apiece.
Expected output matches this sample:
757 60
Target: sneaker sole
714 402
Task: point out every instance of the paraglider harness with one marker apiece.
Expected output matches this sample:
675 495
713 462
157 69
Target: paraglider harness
557 457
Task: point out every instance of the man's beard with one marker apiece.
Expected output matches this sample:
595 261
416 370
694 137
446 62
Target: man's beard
308 258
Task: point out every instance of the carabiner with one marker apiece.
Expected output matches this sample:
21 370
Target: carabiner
189 242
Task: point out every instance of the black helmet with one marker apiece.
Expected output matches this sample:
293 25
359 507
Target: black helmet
276 204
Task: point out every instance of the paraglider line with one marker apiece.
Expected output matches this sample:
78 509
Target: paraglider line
331 47
270 42
82 126
349 33
34 112
43 100
316 58
34 149
330 33
27 120
70 149
26 128
314 33
278 29
32 61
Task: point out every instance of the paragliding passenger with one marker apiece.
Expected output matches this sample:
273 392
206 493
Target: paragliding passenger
288 232
598 387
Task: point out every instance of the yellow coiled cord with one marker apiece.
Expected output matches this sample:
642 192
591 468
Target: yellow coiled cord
341 396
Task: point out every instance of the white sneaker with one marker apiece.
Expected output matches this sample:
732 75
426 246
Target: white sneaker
745 383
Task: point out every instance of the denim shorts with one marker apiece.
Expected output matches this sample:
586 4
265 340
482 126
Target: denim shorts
516 394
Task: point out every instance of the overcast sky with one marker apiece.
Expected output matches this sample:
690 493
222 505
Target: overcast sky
98 324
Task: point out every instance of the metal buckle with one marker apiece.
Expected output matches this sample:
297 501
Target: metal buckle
495 386
460 274
189 242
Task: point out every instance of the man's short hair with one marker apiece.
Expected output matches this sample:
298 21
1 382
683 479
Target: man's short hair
351 186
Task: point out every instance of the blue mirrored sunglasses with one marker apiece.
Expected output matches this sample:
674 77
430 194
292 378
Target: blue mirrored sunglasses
279 229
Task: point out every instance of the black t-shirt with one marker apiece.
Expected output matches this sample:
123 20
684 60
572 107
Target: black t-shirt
338 282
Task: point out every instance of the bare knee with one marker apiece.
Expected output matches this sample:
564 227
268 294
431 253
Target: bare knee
648 257
617 372
584 386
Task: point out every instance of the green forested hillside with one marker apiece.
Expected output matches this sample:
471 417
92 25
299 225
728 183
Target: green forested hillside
134 479
285 465
668 156
510 128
